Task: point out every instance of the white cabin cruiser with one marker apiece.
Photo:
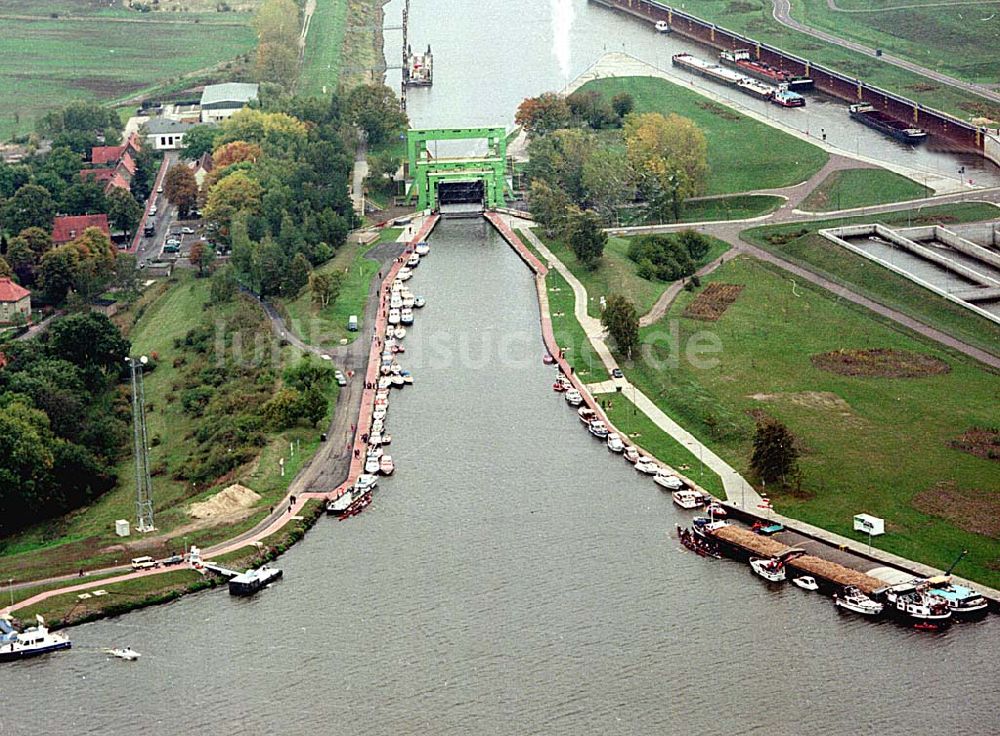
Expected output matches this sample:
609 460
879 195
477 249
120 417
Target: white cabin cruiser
573 397
769 568
615 443
598 428
687 499
405 274
852 599
631 454
386 465
394 317
807 582
339 505
422 249
372 464
406 316
419 301
128 654
31 642
365 482
413 261
647 466
668 480
395 301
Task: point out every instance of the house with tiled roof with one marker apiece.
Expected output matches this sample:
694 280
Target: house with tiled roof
15 303
103 155
202 168
70 227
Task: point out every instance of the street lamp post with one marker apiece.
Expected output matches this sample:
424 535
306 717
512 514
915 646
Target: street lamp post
10 587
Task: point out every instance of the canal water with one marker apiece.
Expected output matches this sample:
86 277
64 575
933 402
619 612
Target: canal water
490 56
513 577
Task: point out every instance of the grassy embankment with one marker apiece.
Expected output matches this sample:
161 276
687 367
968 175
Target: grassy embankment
69 608
954 40
321 62
868 444
328 325
743 154
86 538
851 188
79 55
754 19
800 243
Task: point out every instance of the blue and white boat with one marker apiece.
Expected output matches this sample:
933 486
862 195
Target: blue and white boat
31 642
962 601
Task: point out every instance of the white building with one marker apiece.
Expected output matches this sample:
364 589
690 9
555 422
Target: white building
166 135
220 101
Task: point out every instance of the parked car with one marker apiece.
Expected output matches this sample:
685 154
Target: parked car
617 373
173 241
172 560
171 248
143 563
187 230
159 189
339 377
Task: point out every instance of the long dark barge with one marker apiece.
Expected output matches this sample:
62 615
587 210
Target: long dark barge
901 131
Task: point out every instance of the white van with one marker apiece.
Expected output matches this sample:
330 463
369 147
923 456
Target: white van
143 563
352 323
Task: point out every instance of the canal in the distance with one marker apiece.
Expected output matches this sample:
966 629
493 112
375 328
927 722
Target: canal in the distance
513 577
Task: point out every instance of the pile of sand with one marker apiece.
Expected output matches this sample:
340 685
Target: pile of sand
231 500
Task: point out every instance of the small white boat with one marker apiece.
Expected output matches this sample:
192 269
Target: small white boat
398 381
378 425
406 316
668 480
397 284
339 505
384 382
806 582
615 443
422 249
716 510
662 26
687 499
419 302
386 466
387 439
404 274
128 654
395 301
852 599
586 414
399 332
408 302
598 428
413 261
407 378
631 454
647 466
379 412
374 451
375 438
573 397
771 569
372 464
394 317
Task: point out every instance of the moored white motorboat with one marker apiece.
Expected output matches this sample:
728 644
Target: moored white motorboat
647 466
394 317
807 582
372 464
631 454
405 274
386 465
407 378
365 482
687 499
413 261
662 26
419 301
598 428
406 316
128 654
573 397
422 249
407 302
378 425
586 414
769 568
31 642
615 443
384 382
398 381
379 412
373 451
716 510
668 480
399 332
852 599
395 301
375 438
339 505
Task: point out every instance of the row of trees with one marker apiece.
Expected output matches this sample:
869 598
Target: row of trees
63 419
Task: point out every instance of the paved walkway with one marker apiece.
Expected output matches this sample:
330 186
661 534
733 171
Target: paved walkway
619 64
783 14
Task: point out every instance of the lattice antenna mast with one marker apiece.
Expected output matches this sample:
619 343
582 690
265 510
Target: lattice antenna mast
140 441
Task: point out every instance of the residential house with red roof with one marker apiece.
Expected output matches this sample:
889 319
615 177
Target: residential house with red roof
70 227
15 303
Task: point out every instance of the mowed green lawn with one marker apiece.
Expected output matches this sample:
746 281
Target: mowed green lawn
960 40
743 154
869 444
850 188
801 243
46 63
324 45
